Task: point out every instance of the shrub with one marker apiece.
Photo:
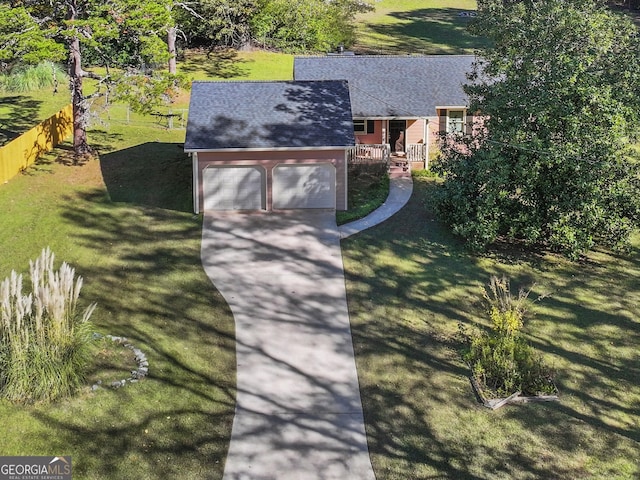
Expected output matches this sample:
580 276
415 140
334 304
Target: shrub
44 338
501 360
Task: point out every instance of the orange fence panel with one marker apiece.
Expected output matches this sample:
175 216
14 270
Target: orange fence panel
21 152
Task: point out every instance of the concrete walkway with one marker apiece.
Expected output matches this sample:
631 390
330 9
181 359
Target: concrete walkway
400 190
298 411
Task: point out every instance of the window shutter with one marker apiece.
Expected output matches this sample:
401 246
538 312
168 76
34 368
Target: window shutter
442 121
370 126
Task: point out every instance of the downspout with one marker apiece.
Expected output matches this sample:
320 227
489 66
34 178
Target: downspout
346 180
196 189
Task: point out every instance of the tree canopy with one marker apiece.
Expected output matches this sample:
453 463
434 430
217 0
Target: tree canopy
555 160
292 25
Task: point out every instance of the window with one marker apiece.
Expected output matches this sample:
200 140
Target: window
362 127
455 121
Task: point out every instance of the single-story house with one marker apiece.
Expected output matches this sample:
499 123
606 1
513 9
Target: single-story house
269 145
401 101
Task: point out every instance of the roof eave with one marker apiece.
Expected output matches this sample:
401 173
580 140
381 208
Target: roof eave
263 149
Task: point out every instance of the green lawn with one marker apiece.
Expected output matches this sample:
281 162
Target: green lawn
417 27
409 284
125 224
20 112
233 65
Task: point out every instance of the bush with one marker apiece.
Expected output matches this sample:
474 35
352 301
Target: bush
502 361
44 339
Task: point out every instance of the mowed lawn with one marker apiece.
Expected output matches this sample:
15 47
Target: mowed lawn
125 223
409 285
427 27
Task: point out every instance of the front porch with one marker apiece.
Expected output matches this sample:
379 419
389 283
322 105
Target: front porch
414 158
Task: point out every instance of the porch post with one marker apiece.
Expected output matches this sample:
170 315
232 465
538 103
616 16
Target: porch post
426 142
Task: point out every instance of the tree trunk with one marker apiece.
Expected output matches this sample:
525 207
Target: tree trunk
172 34
80 145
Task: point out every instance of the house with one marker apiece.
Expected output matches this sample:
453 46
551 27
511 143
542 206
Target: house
269 145
282 145
399 101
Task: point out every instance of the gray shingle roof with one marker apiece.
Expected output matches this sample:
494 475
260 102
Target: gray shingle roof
393 86
266 115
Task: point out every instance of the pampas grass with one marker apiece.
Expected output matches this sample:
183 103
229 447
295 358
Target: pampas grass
44 339
33 77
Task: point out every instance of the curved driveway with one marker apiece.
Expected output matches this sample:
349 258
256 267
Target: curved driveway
298 411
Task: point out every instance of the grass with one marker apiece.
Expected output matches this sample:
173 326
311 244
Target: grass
124 223
233 65
366 193
417 27
19 112
410 283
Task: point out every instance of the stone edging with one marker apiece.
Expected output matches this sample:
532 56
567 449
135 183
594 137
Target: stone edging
141 360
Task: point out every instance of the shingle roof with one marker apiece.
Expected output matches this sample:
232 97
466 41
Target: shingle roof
393 86
299 114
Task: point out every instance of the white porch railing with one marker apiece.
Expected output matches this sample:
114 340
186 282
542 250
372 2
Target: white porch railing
379 153
373 153
417 152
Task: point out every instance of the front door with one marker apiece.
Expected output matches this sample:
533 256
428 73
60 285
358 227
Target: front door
397 135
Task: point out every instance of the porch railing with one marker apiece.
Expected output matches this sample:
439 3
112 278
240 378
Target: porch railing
416 152
374 153
380 153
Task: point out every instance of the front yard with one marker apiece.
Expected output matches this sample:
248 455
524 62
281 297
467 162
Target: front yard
410 283
124 224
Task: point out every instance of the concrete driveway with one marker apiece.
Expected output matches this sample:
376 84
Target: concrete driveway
298 413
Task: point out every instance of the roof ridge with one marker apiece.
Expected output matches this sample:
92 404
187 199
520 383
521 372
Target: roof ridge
267 81
395 55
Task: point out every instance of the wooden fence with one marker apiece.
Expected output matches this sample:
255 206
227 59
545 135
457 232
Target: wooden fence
21 152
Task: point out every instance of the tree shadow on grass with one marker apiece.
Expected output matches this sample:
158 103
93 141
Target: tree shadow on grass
409 282
154 174
22 113
217 64
428 30
148 282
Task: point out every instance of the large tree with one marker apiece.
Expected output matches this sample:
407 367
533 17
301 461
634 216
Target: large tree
306 25
123 37
22 41
293 25
554 162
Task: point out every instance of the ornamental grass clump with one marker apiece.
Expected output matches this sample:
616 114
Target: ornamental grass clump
502 361
44 337
32 77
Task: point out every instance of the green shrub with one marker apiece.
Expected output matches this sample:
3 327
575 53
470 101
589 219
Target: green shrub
501 360
44 338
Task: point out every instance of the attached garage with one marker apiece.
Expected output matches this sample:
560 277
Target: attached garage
304 186
234 188
266 146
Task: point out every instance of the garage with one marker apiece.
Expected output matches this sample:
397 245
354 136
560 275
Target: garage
269 145
304 186
234 188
